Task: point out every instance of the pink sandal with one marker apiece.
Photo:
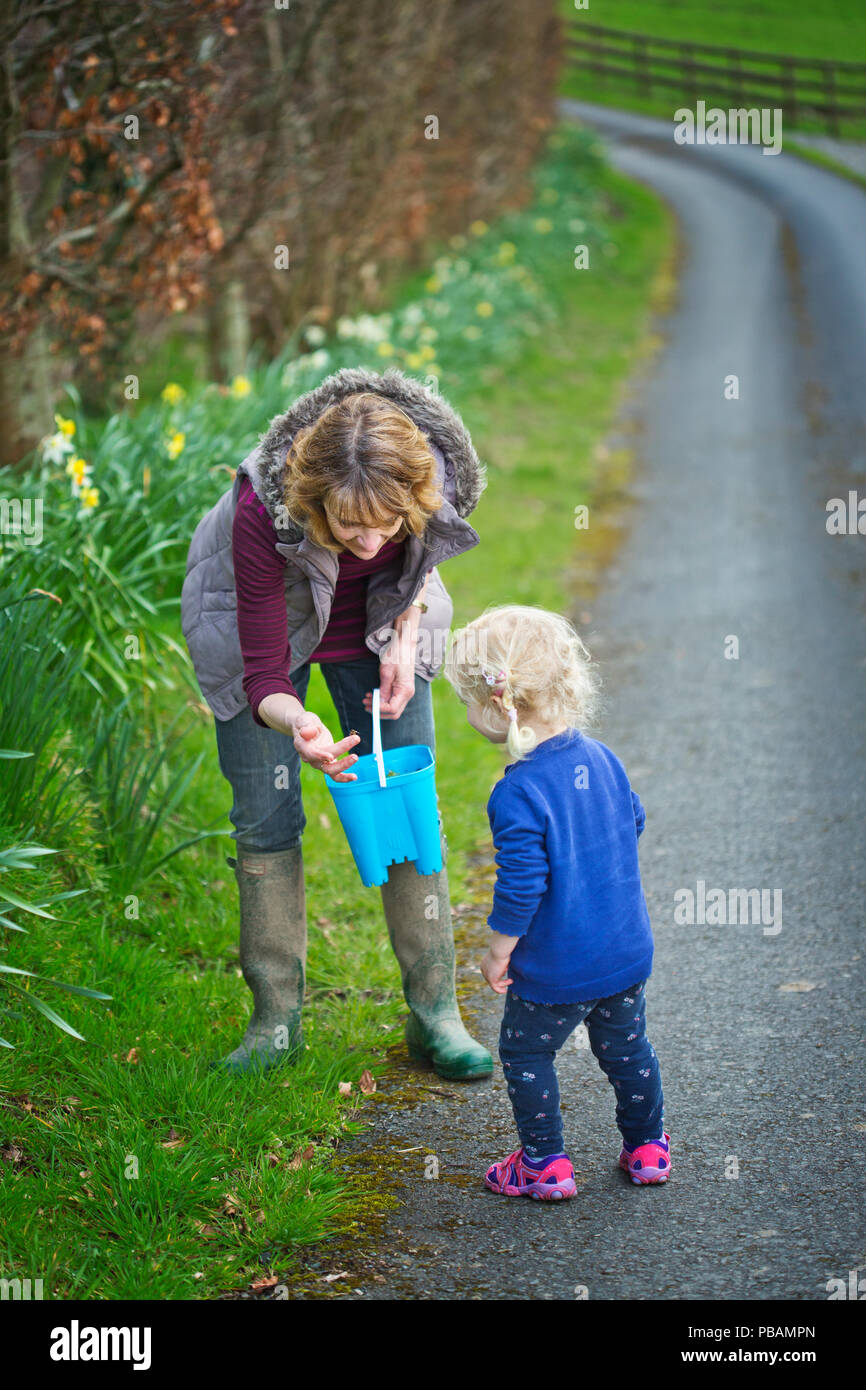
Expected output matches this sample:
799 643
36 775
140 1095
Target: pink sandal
648 1162
514 1178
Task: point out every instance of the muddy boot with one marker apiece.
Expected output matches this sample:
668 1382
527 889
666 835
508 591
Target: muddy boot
273 956
418 913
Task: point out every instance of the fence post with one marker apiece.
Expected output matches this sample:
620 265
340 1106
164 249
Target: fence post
832 116
736 75
789 89
643 72
691 80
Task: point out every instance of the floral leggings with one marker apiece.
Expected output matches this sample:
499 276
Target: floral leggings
532 1034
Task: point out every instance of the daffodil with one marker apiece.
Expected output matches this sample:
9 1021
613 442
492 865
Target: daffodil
315 335
385 349
55 447
240 386
172 393
414 360
478 227
506 253
433 285
77 470
175 444
543 224
484 309
426 352
66 427
90 497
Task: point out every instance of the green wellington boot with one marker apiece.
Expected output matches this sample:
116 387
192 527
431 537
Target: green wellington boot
418 913
273 957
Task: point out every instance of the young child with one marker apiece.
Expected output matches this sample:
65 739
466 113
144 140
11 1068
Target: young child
571 939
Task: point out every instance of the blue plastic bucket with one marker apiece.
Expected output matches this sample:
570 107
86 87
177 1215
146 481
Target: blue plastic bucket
395 822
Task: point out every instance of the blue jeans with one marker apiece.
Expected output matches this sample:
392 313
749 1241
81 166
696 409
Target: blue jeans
532 1034
267 810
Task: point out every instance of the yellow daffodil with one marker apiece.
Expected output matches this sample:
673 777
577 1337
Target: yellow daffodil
433 285
241 386
66 427
543 224
172 393
506 252
484 309
414 360
478 228
426 353
90 497
175 444
77 470
385 350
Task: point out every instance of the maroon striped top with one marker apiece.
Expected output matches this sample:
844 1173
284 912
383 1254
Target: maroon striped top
262 619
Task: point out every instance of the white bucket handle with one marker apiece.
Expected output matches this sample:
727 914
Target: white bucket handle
377 739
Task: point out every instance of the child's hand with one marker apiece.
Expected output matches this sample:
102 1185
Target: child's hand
495 969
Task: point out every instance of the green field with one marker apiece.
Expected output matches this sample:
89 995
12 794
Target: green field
832 30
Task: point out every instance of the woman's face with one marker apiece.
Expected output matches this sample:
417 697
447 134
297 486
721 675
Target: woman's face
362 540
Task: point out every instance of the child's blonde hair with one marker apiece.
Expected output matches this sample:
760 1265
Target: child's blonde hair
534 659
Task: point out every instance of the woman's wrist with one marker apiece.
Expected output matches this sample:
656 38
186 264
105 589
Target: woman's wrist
280 710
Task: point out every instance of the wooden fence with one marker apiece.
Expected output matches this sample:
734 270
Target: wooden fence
831 91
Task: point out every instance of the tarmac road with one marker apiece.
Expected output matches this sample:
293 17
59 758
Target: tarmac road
752 773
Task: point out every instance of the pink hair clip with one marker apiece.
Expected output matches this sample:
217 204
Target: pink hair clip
494 681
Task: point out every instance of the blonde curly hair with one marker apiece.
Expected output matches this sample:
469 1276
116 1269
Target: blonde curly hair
534 659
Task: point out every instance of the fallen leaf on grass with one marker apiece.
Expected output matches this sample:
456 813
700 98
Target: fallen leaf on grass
366 1083
132 1055
797 987
345 1088
332 1278
173 1141
302 1156
263 1283
204 1229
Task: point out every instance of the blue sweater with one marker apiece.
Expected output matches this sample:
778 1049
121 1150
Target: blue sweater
565 825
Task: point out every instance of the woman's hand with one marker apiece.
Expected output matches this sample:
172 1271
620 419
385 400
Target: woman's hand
316 747
396 681
397 667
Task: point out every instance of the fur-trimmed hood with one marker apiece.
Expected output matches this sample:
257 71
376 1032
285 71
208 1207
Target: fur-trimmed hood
430 412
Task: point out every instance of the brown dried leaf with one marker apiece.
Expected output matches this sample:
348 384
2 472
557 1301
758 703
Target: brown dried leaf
302 1156
367 1083
263 1283
132 1055
345 1088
